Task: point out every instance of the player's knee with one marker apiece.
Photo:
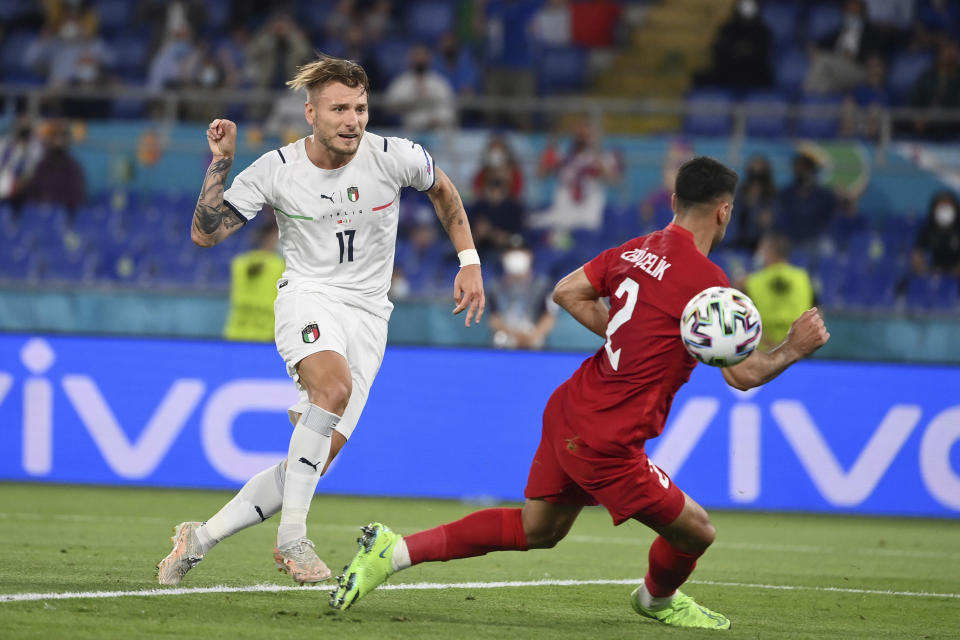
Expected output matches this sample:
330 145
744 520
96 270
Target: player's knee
544 537
331 394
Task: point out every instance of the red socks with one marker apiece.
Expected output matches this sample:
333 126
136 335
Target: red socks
475 535
669 568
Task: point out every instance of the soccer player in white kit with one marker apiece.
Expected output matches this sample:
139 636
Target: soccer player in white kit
336 195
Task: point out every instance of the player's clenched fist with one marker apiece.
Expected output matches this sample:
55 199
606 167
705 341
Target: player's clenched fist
222 137
808 333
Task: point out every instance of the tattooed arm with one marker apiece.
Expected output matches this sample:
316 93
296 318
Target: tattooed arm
212 221
468 285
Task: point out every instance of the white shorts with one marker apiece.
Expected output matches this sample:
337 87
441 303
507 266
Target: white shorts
308 322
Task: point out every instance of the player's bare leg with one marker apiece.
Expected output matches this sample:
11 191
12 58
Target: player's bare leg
673 557
382 552
326 377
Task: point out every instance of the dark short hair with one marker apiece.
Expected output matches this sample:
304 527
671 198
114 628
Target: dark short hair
778 243
703 180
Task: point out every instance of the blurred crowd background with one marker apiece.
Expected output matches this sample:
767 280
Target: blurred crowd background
561 121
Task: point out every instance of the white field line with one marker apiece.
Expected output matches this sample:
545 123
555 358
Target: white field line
639 540
432 586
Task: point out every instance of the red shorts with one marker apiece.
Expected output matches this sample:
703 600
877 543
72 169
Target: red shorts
566 470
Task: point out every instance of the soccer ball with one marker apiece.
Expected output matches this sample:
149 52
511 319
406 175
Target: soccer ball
720 326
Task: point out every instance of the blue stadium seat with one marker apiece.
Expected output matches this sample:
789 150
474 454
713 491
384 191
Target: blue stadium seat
811 123
905 69
900 234
791 70
772 125
560 69
931 292
312 14
782 18
822 20
430 19
392 56
714 119
12 50
132 52
115 15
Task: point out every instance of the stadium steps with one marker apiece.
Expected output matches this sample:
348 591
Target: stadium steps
665 50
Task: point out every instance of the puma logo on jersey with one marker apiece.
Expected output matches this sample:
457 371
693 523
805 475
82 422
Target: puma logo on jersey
322 196
648 262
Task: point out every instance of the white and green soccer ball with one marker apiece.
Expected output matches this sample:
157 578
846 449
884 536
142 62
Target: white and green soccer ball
720 326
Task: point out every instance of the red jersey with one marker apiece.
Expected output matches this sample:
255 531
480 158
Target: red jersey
620 397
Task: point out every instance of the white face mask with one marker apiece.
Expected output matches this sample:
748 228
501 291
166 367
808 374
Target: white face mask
517 263
748 8
944 214
496 157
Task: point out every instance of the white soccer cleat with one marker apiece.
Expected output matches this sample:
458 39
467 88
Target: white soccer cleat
186 554
299 559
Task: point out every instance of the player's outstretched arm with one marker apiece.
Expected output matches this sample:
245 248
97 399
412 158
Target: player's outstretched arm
575 294
212 221
807 334
468 285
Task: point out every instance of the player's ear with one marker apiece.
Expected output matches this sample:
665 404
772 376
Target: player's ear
309 112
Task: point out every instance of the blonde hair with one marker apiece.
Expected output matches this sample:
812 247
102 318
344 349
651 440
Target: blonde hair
325 69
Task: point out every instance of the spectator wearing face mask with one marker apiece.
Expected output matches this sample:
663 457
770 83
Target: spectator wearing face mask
521 313
499 162
937 248
741 51
422 97
804 208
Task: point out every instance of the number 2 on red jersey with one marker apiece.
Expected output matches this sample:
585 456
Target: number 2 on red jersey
632 290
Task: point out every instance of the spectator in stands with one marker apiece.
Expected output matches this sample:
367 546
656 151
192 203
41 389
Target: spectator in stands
655 209
937 20
168 65
422 97
275 51
939 87
754 205
58 178
509 56
837 60
377 21
521 313
20 152
780 290
253 289
500 162
741 51
343 16
583 174
203 70
71 54
804 208
356 47
937 248
497 216
456 64
551 24
864 107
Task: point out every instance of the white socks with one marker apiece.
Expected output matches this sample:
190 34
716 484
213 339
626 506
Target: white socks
306 458
401 556
650 602
259 499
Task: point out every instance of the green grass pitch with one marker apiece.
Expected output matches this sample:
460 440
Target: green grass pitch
56 539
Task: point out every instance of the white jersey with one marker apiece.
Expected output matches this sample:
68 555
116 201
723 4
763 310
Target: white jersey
338 228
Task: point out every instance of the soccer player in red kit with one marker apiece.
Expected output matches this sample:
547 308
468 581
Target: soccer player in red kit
596 424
